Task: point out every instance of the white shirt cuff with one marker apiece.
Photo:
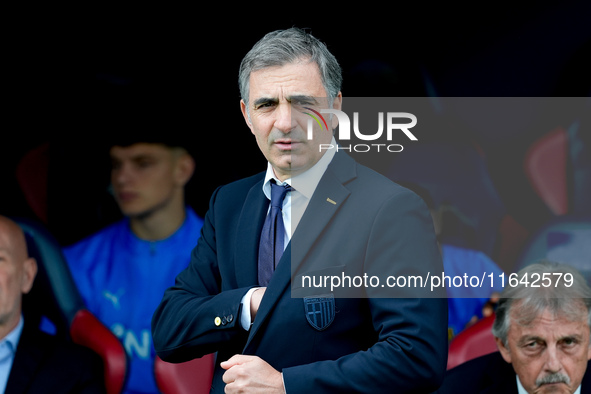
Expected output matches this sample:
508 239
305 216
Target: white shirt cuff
245 319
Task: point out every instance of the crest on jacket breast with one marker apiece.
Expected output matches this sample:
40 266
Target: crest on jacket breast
320 310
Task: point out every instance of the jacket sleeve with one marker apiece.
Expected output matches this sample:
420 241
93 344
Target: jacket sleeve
196 317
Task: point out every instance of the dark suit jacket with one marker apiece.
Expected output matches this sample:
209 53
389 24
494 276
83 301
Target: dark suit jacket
44 364
362 344
489 374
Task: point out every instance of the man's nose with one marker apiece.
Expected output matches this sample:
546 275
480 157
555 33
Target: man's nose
284 120
552 363
121 174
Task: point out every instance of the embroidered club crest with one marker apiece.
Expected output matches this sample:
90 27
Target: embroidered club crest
320 311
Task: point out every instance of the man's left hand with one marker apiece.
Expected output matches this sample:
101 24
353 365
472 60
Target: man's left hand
251 374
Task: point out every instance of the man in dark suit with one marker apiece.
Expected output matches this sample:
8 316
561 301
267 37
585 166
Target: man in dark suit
32 361
542 329
341 220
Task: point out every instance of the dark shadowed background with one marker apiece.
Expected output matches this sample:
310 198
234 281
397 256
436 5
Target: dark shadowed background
78 75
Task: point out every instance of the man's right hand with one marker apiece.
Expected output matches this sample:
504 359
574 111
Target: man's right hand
255 301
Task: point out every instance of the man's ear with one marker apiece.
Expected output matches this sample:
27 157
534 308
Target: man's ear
503 350
185 168
29 273
244 110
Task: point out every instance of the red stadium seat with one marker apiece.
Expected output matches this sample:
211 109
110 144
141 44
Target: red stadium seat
191 377
88 331
545 165
475 341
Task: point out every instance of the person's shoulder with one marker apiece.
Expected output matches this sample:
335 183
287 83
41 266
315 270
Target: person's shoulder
476 375
247 181
112 230
371 191
89 250
62 348
374 183
61 356
350 171
240 186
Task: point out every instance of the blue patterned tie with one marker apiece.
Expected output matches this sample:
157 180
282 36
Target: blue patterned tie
271 243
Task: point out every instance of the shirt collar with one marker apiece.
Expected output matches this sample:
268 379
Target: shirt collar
306 182
14 336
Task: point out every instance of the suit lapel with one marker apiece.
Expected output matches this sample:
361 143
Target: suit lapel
329 196
248 234
324 204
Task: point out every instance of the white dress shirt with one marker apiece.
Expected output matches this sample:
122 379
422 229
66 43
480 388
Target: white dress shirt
8 346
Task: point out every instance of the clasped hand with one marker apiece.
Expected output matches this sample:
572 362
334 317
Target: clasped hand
251 374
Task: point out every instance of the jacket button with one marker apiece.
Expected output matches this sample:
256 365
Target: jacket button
217 321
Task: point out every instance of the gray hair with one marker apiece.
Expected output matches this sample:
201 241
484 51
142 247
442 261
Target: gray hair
554 296
287 46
